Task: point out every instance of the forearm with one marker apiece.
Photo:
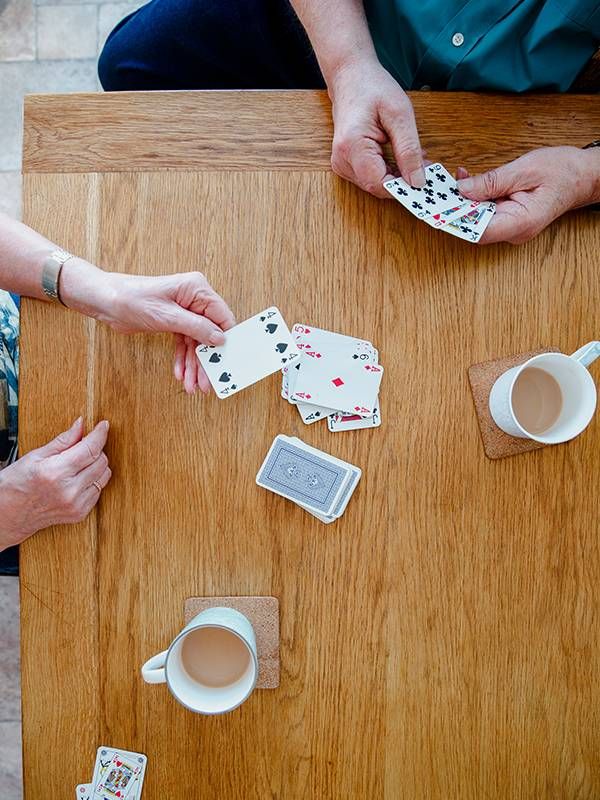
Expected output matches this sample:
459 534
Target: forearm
338 31
593 162
22 255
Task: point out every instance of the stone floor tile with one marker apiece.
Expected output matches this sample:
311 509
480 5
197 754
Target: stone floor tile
17 30
10 203
11 779
67 32
30 77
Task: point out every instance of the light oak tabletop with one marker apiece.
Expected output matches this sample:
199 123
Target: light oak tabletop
440 640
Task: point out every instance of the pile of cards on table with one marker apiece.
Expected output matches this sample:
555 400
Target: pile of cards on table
314 480
336 377
440 204
118 775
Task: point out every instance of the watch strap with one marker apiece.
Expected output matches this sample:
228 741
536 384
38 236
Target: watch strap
51 273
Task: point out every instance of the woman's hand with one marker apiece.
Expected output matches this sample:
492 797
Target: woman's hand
369 110
183 304
535 189
60 482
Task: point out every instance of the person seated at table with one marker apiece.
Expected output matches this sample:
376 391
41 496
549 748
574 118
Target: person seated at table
62 481
367 54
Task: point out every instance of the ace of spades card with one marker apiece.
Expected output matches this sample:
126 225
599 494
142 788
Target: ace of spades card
254 349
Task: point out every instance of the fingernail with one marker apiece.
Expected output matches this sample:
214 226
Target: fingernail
465 185
105 424
417 178
77 422
216 338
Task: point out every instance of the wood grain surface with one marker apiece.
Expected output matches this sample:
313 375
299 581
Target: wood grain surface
230 131
440 640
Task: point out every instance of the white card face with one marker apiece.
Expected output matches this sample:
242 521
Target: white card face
339 383
439 194
353 422
118 774
84 791
253 350
472 226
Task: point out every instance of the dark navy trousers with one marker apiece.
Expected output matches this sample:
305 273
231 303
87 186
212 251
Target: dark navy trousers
210 44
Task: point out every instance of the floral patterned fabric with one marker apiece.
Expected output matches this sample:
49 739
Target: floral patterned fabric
9 377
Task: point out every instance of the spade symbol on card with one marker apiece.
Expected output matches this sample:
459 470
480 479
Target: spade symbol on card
268 315
271 327
225 377
215 358
281 347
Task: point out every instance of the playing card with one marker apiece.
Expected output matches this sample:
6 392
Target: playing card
118 774
438 195
300 475
353 422
253 350
347 385
84 791
354 475
472 226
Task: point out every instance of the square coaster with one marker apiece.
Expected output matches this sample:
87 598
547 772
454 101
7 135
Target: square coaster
263 613
496 443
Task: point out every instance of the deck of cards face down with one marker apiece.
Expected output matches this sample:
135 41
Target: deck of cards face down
118 775
440 204
335 377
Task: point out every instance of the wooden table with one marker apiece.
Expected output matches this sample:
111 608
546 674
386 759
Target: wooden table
441 640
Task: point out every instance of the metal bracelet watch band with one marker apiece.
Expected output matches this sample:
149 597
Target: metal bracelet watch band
51 273
595 143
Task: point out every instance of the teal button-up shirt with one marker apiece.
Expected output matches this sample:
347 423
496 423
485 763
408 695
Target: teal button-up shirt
498 45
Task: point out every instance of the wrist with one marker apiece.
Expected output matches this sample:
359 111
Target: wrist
9 534
592 161
87 289
349 61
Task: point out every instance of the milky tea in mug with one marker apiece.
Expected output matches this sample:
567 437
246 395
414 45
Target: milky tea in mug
212 665
537 400
550 398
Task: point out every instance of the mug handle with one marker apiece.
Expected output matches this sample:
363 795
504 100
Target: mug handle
153 670
588 353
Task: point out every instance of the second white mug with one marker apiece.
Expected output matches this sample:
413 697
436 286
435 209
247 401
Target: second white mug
550 388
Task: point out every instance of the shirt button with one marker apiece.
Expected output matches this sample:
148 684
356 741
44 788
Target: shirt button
426 87
458 39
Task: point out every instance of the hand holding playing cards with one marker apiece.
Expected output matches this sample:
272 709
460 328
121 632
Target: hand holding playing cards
369 110
183 304
535 189
58 483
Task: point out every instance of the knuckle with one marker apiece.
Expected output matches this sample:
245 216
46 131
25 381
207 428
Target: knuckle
491 181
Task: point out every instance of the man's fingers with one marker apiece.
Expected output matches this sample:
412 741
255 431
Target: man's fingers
88 450
401 127
461 173
63 441
506 226
495 183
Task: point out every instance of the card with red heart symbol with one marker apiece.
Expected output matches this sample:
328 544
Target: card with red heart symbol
253 350
118 774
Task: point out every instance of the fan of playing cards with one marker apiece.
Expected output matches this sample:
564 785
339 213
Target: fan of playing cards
118 775
336 376
440 204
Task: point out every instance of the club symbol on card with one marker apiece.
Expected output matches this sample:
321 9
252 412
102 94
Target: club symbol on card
430 201
402 192
429 183
441 177
281 347
417 205
442 195
455 191
337 382
271 327
225 377
215 358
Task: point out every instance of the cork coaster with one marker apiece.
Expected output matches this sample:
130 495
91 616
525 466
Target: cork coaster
263 613
496 443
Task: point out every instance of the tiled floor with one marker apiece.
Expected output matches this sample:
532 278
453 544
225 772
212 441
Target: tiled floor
45 46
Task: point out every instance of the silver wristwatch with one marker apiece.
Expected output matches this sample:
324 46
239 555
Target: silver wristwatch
51 273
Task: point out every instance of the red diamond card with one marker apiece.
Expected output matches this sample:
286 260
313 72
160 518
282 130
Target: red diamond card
337 380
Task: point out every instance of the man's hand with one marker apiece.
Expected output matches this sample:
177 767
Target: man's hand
369 110
60 482
535 189
183 304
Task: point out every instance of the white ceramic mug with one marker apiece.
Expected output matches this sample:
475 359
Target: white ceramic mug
578 395
181 667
